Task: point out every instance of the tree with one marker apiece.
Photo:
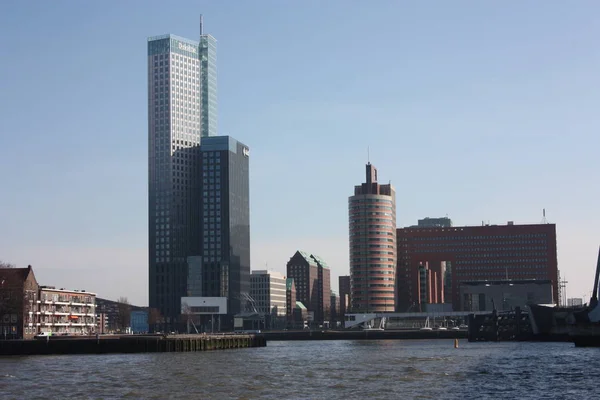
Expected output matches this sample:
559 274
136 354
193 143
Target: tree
123 313
6 265
155 318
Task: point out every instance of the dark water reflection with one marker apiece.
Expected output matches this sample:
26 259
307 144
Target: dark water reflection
316 370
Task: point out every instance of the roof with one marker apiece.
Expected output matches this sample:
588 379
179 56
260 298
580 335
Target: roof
307 257
14 275
300 305
171 36
320 261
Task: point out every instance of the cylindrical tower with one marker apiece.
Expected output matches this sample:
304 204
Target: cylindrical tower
372 222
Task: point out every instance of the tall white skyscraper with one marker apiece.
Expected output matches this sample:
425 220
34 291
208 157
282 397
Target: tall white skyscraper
182 85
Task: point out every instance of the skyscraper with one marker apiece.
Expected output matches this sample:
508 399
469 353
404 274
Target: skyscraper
180 111
372 220
223 212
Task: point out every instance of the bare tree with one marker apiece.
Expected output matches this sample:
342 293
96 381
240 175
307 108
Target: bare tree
123 313
155 318
6 265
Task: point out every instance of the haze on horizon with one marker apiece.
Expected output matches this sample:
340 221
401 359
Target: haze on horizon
479 111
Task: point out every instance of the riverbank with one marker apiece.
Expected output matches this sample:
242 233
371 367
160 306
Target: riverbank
129 344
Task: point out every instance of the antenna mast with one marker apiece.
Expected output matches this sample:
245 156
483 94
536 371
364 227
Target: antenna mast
201 23
544 220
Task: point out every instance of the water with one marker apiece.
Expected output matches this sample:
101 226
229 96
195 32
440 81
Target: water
386 369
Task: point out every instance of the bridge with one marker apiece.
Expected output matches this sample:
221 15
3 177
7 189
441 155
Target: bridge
367 319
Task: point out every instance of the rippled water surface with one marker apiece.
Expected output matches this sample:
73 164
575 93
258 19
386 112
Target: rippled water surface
386 369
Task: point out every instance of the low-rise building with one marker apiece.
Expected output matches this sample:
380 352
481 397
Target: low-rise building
66 312
504 295
268 296
139 321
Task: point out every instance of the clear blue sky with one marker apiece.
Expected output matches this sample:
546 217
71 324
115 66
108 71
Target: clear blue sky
475 110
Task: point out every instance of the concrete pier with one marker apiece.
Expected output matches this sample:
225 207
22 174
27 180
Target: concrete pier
129 344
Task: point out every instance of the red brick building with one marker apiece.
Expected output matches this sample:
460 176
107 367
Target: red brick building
18 303
344 286
456 254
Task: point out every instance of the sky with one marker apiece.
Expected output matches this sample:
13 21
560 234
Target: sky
481 111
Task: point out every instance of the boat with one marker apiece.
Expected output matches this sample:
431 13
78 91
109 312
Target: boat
584 330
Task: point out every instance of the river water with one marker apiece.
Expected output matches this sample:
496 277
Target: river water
384 369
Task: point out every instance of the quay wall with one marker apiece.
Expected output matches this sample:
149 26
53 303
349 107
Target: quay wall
129 344
364 335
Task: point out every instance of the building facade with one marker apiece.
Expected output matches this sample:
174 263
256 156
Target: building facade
174 132
312 280
290 301
334 310
459 254
223 208
19 303
66 312
268 293
344 287
139 321
372 220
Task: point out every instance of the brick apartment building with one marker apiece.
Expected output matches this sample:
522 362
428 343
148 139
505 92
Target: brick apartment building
447 256
312 280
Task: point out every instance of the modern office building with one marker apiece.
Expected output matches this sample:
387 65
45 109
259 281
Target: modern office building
268 293
442 222
372 220
182 108
470 253
344 287
312 279
223 212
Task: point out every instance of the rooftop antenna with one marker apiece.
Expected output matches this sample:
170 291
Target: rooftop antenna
368 155
201 23
544 220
